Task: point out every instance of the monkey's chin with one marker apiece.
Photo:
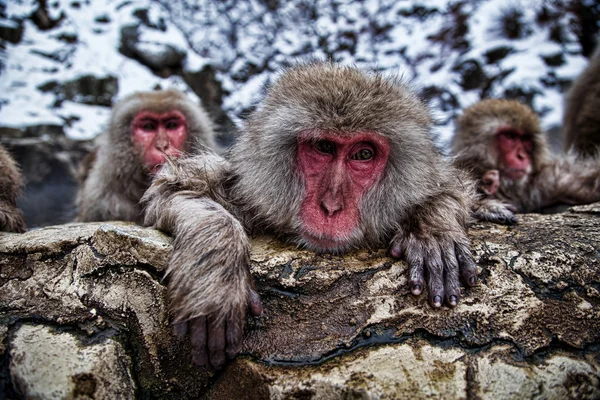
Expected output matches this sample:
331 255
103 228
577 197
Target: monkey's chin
324 245
516 174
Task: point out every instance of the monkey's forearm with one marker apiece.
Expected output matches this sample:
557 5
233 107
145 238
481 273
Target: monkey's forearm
210 257
571 180
210 285
198 176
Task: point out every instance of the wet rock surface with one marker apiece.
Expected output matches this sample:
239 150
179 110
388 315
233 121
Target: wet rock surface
334 327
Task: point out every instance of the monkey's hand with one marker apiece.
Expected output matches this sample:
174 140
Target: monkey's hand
436 248
494 210
210 286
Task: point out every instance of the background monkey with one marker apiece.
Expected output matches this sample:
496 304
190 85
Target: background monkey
333 159
145 128
581 122
501 144
11 217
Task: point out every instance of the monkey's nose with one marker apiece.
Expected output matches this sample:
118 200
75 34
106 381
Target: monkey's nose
162 145
331 207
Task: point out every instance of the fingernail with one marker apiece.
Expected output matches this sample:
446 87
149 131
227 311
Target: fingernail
417 289
472 280
437 301
453 300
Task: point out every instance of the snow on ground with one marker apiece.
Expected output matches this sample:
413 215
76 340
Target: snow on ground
96 53
239 36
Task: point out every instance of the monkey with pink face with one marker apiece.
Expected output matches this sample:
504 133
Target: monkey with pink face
145 129
333 159
500 143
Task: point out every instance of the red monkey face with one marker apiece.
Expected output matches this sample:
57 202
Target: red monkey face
515 148
157 136
337 171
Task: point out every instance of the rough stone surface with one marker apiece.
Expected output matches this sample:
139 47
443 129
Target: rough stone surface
55 365
98 280
162 58
334 327
86 89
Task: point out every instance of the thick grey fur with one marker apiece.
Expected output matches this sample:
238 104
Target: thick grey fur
118 179
419 208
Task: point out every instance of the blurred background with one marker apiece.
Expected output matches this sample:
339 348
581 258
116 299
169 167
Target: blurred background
64 63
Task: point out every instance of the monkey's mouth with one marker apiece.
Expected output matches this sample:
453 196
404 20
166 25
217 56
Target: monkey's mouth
324 245
515 174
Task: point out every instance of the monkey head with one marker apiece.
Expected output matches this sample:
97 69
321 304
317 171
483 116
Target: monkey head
333 159
158 125
158 136
502 136
337 171
351 151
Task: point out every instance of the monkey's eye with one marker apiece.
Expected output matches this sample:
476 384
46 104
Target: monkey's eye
325 146
149 126
510 135
362 155
172 125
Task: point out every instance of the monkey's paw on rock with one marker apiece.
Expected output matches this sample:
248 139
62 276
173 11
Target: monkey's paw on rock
83 313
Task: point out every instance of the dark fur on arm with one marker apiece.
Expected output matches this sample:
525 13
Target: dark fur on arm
209 282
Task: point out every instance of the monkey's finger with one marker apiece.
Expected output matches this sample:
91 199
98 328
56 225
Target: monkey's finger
197 328
180 329
234 333
216 342
435 271
416 280
398 247
451 276
466 265
413 253
504 217
254 303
